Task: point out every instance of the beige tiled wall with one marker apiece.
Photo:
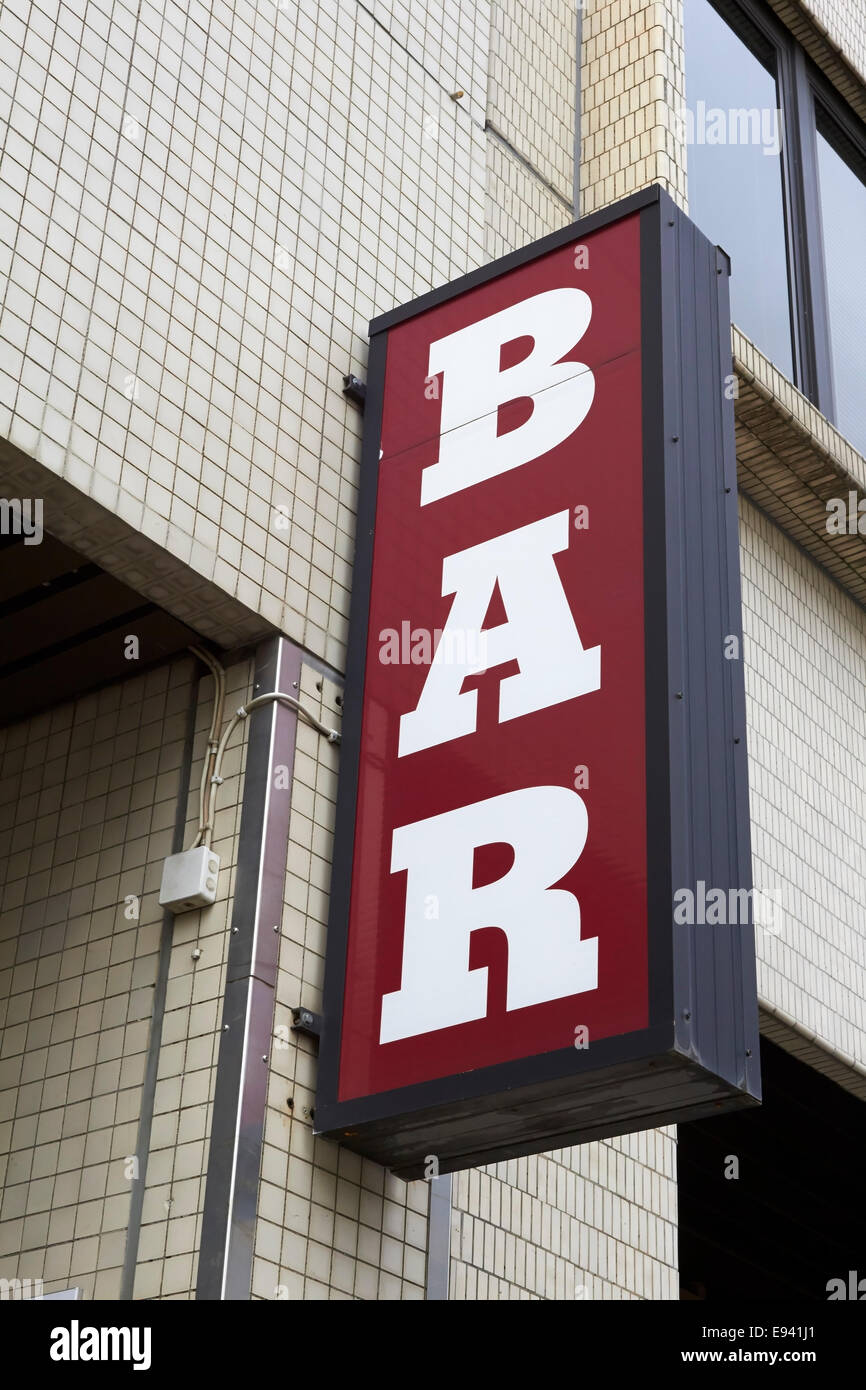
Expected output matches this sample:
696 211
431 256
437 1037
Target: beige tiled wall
598 1221
88 804
631 89
530 122
186 1073
201 207
330 1224
531 86
805 655
520 207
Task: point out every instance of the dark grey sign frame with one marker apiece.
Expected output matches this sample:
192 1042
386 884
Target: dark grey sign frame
700 1053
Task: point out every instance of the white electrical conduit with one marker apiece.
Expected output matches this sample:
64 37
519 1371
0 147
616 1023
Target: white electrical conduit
211 777
219 677
332 736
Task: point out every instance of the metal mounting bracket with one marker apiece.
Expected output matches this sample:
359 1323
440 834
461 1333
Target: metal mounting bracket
305 1021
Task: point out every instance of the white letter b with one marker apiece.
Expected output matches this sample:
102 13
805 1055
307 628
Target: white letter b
474 388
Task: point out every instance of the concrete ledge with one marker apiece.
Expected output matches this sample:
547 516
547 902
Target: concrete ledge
147 564
791 461
824 52
816 1052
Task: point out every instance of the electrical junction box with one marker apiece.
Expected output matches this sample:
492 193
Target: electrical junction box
189 879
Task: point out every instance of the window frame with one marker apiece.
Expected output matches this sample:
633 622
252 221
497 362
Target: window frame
829 105
803 92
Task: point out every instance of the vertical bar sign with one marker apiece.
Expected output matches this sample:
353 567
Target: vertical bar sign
492 942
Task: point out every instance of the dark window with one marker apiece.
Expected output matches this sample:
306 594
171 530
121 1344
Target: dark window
777 176
789 1219
843 223
733 130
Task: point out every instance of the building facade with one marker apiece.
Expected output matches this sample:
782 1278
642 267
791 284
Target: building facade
202 208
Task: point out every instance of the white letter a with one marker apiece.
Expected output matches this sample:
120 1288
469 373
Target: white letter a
540 635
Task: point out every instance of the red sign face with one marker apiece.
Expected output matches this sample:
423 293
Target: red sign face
499 881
